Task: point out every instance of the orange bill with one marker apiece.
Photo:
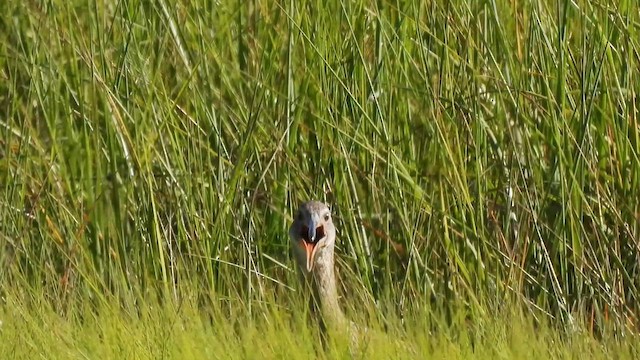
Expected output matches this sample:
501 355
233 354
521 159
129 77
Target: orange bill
309 249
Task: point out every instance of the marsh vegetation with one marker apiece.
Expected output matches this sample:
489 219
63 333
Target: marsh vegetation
481 159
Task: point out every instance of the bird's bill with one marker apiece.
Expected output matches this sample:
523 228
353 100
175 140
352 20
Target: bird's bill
309 236
310 250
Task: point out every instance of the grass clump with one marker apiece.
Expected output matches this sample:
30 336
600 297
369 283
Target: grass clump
478 157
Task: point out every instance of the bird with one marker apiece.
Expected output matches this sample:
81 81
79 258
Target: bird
313 238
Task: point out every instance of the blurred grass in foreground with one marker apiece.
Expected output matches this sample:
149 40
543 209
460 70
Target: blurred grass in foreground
184 331
149 147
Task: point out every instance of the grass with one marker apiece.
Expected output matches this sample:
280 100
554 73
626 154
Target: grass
480 159
178 331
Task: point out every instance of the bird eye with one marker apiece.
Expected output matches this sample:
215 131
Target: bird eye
327 217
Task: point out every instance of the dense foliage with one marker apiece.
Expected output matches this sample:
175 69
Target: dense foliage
477 155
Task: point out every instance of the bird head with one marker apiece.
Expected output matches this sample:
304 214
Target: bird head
311 233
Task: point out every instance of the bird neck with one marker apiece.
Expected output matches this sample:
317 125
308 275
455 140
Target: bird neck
326 291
